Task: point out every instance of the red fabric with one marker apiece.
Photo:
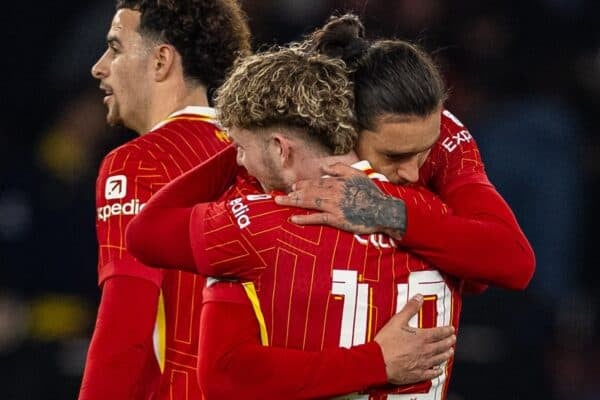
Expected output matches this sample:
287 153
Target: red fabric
128 177
454 159
481 239
234 365
454 169
312 280
120 362
170 210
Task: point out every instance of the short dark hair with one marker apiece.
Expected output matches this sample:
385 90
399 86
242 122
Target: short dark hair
390 76
208 34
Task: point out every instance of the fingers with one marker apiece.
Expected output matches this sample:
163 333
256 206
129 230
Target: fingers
311 219
411 308
313 194
340 170
439 333
438 359
432 373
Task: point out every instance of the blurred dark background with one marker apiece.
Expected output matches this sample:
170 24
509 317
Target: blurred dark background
524 77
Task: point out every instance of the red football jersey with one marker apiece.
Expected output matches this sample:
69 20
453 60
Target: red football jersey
454 159
320 287
128 176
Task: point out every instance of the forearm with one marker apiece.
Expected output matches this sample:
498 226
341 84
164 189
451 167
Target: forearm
120 362
480 241
235 364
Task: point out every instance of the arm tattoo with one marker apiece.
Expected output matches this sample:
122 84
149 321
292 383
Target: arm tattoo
364 204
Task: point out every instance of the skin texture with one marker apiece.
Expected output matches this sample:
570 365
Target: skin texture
350 201
124 70
398 145
396 148
434 344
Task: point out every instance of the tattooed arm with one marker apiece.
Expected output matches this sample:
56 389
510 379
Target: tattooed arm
352 203
479 241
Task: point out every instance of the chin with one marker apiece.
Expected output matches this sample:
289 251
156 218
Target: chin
114 120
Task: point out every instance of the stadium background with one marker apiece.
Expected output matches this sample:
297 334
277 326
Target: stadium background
524 77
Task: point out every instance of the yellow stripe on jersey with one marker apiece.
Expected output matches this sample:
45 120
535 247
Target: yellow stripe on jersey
159 338
222 136
253 297
189 118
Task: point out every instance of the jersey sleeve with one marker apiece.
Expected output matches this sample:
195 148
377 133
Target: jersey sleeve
479 241
124 185
160 235
235 364
454 160
118 360
221 239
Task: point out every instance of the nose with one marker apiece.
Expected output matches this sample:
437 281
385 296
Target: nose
100 69
409 171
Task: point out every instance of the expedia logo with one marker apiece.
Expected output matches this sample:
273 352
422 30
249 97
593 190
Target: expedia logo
132 207
116 187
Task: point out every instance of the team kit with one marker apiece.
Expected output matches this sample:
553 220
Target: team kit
299 222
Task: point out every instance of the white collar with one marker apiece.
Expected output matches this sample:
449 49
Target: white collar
196 110
365 166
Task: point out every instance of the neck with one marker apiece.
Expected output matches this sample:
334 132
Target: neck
311 167
167 100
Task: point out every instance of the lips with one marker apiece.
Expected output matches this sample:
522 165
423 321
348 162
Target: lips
108 93
107 98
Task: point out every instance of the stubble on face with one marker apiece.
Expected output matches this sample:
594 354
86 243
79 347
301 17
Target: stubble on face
127 79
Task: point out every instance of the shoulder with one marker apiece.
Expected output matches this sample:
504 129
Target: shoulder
117 158
188 126
453 133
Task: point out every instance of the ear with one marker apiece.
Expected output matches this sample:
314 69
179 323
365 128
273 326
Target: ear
281 148
163 61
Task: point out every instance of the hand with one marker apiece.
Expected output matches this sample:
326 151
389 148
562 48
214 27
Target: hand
349 200
413 355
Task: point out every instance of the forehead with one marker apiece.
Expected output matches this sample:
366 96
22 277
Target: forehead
125 23
404 134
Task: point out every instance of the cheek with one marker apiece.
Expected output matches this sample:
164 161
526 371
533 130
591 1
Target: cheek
422 157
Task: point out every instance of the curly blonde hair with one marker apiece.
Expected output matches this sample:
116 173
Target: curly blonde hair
286 87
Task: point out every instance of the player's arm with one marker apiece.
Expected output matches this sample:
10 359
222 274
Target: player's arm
480 240
121 350
235 363
120 362
159 236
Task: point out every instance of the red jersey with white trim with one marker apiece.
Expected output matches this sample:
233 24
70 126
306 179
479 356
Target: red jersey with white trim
454 159
320 287
128 176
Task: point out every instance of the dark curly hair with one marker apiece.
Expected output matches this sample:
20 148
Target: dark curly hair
390 76
208 34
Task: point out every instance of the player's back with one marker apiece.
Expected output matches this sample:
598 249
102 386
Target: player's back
320 287
129 175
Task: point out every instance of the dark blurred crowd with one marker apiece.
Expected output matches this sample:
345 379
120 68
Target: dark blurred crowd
524 76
